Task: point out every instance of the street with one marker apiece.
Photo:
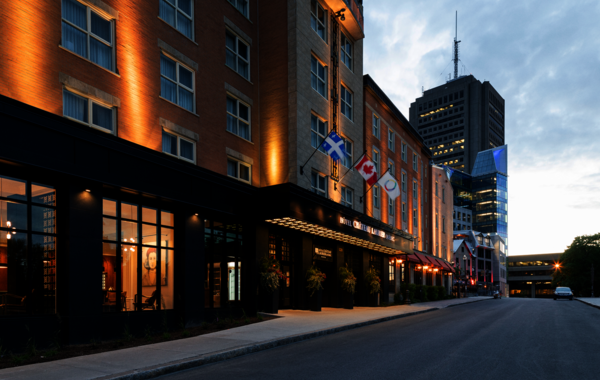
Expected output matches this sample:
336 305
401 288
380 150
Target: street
495 339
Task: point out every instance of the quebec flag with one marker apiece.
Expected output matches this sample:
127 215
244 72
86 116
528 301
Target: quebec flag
335 147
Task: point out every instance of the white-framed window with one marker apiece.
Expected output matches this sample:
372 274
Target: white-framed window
403 152
347 196
239 170
318 132
415 189
403 180
415 218
88 33
176 83
376 161
404 212
179 14
240 5
376 200
318 183
346 50
391 140
391 168
376 125
178 146
318 76
317 18
89 111
348 160
237 54
346 104
238 118
415 164
391 211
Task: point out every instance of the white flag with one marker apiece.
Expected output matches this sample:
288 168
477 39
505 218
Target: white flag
390 185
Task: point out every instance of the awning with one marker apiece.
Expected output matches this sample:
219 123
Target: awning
449 267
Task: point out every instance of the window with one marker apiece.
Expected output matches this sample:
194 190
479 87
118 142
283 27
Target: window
237 54
436 188
239 170
415 189
391 168
376 203
403 153
346 51
347 161
318 132
176 83
404 212
178 146
426 221
318 183
415 165
375 126
89 111
346 104
347 196
436 221
392 272
317 18
137 241
391 207
27 247
443 224
391 140
376 160
238 118
241 5
87 33
443 194
404 182
178 14
318 77
415 218
425 194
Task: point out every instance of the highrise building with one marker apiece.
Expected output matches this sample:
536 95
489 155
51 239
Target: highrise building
459 119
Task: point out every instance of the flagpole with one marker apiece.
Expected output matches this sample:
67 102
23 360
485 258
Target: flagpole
313 153
360 158
360 200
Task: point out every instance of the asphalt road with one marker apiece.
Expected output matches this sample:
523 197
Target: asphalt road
495 339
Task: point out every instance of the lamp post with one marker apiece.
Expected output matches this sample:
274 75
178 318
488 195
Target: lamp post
465 266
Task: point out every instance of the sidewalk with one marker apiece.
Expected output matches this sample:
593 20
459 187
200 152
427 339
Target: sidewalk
153 360
595 302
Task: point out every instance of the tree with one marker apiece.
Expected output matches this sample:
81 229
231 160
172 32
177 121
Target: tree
575 268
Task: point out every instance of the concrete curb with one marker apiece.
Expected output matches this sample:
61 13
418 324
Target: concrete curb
466 303
587 303
197 361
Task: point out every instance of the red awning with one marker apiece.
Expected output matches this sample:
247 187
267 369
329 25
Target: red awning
449 267
424 259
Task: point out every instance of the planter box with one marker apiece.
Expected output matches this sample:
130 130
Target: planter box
347 300
373 300
315 301
270 302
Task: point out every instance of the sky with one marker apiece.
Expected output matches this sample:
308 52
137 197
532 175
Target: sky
543 57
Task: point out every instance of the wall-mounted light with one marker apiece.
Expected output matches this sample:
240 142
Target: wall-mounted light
8 223
196 214
8 236
88 190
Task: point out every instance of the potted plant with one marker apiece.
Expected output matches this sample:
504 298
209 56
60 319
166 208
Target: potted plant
348 287
269 277
314 281
373 283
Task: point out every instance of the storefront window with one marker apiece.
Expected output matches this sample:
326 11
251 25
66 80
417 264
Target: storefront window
27 253
144 279
223 244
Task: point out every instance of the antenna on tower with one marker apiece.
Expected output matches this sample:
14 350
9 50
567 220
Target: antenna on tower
456 42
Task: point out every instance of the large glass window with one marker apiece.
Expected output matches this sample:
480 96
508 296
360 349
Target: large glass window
178 14
176 83
237 54
142 240
27 247
87 33
224 247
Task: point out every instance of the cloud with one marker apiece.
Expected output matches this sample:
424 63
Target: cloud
543 57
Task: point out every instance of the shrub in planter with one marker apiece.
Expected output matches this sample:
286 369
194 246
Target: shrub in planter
432 293
314 281
348 285
269 276
441 292
373 283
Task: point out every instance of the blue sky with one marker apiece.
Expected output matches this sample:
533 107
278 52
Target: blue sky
543 57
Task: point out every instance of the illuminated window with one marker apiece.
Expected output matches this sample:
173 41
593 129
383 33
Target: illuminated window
178 14
318 132
318 77
178 146
176 83
239 170
347 161
318 183
376 126
391 140
237 54
90 112
317 18
87 33
241 5
347 196
346 104
238 118
346 50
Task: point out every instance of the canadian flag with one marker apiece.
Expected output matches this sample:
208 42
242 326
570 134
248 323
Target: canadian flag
367 169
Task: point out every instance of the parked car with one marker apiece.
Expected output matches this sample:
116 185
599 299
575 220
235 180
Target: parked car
563 292
497 294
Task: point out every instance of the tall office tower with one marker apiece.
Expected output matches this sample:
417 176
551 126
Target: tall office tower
459 119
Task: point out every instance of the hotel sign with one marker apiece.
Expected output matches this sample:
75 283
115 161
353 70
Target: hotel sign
371 230
323 254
